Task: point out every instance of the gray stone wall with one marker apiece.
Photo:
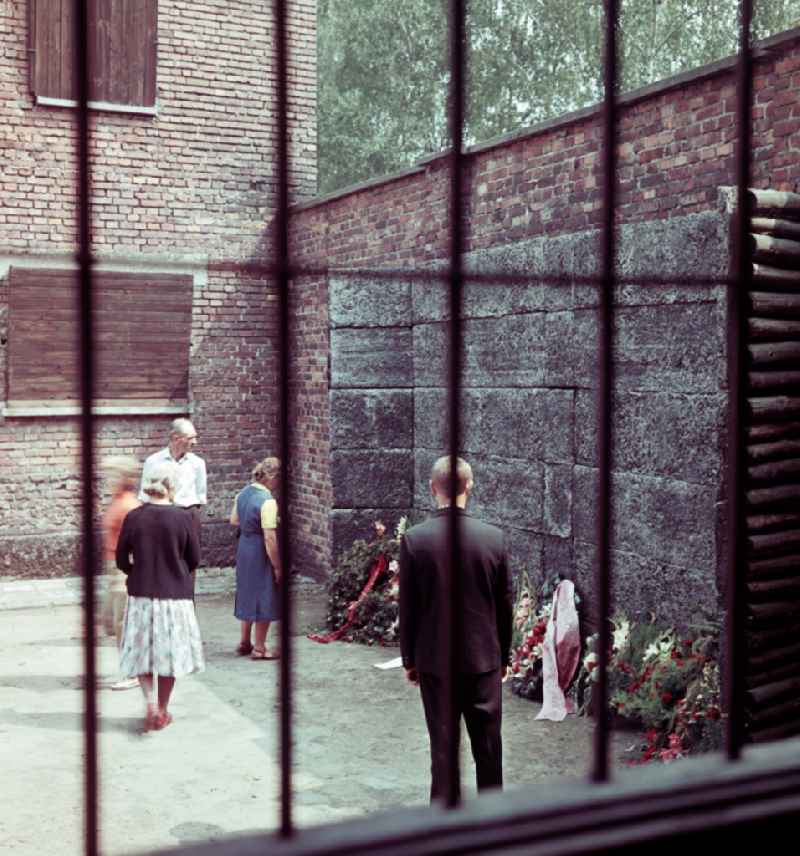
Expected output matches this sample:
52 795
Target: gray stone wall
529 405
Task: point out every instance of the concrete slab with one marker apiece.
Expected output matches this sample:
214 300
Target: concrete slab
360 739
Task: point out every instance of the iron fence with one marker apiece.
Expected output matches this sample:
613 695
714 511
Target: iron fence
281 270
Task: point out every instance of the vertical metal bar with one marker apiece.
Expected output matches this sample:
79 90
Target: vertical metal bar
85 344
738 290
600 772
281 260
456 33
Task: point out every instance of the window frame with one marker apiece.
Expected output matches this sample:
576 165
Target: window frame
714 798
100 104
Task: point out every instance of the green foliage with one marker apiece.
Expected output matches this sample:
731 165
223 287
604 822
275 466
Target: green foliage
376 618
383 68
662 683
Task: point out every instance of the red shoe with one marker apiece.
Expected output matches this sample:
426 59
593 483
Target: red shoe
162 721
151 718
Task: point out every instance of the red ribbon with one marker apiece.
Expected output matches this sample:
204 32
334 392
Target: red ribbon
380 565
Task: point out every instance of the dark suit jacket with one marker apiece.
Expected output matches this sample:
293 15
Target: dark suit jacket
486 608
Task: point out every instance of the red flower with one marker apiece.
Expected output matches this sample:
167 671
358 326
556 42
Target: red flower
713 713
666 699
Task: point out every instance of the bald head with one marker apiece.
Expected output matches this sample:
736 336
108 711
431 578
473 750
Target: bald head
440 481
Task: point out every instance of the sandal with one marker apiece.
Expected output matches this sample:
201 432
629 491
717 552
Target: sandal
244 648
262 654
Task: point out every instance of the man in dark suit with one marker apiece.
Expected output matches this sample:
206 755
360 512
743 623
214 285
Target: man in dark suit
484 618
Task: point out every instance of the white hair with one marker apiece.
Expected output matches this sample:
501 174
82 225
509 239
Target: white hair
162 480
181 427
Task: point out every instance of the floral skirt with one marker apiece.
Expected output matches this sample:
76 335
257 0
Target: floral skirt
160 636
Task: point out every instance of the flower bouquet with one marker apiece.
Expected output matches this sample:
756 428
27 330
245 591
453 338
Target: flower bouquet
363 591
662 682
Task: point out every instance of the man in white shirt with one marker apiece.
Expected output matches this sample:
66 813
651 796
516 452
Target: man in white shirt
191 468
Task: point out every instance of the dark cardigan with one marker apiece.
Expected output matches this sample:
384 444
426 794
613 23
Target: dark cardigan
158 550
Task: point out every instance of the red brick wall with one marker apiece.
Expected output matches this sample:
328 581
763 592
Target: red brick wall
196 180
676 149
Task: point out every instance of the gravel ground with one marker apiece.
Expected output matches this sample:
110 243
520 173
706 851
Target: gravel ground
360 739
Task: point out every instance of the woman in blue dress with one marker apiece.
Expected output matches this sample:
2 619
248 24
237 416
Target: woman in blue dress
258 564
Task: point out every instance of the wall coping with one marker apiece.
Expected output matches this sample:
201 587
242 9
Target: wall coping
762 51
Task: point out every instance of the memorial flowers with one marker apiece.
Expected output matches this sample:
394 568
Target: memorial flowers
531 615
363 590
662 682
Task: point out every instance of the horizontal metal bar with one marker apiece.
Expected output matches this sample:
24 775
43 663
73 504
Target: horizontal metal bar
265 270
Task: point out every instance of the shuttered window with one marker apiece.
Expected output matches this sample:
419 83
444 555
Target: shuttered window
142 327
122 52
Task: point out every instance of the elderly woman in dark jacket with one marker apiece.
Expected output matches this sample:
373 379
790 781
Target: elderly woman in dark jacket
159 551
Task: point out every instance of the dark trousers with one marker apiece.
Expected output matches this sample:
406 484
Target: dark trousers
480 703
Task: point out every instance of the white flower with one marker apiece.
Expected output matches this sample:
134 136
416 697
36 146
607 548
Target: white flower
394 566
662 648
622 631
401 527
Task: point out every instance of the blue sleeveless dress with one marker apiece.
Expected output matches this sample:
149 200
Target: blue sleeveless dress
256 592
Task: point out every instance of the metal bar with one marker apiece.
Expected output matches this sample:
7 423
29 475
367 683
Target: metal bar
738 289
488 279
600 772
456 33
281 260
87 385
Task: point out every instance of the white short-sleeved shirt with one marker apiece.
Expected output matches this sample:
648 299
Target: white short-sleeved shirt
191 477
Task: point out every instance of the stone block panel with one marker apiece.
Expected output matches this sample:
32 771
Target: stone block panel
371 358
530 424
506 492
557 512
645 586
372 479
372 419
491 298
524 552
497 352
677 347
695 244
666 434
358 302
350 524
671 521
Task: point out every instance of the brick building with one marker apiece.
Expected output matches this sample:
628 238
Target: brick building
183 140
183 191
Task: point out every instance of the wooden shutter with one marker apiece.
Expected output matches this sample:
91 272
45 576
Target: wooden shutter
122 50
51 44
142 326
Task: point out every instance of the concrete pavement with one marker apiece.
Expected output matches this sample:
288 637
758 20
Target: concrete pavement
360 739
